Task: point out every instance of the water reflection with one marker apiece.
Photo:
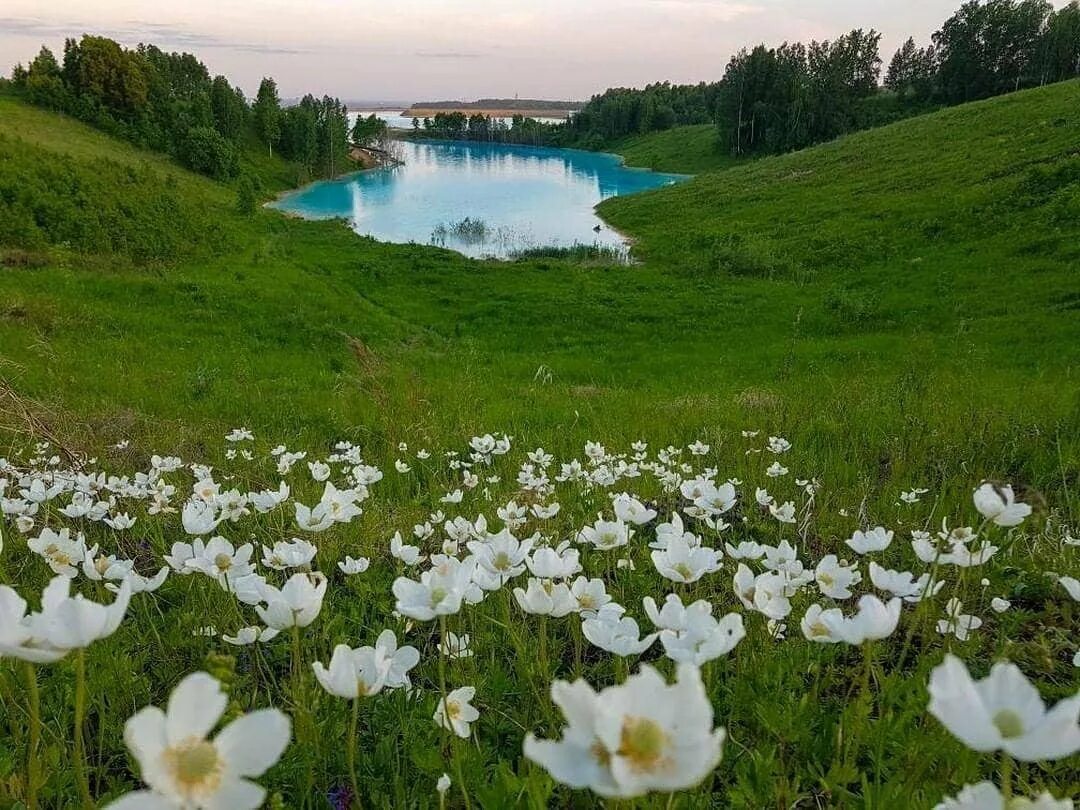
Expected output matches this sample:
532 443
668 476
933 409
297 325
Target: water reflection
514 197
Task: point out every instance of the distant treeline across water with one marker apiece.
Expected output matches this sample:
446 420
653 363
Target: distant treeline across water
770 99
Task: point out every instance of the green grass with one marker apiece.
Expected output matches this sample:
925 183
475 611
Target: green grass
683 150
902 304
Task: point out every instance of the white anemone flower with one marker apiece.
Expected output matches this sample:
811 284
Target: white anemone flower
873 621
615 633
643 735
606 534
454 646
704 638
681 562
545 597
956 622
455 712
629 509
834 578
876 539
986 796
438 593
350 566
351 673
297 604
60 550
998 504
249 635
1003 712
184 769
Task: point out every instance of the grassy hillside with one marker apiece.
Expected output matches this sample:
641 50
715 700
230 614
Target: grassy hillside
903 305
862 280
686 150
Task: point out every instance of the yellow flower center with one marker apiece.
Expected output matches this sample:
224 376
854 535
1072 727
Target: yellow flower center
642 743
826 580
683 570
600 754
195 766
1009 724
819 629
502 561
453 709
223 562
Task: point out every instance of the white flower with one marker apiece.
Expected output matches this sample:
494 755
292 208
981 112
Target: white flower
956 622
399 660
1071 586
784 513
184 769
1003 712
874 620
410 555
630 510
240 434
401 466
120 522
835 579
65 622
249 635
221 561
443 784
320 471
776 470
543 597
352 673
199 517
455 712
454 646
986 796
629 739
501 555
297 604
778 444
438 593
1000 605
317 519
746 550
903 583
590 595
554 563
819 624
350 566
293 554
998 504
606 534
59 550
876 539
610 630
680 562
703 638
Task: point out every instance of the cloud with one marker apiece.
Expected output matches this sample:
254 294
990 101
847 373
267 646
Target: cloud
447 55
161 34
722 10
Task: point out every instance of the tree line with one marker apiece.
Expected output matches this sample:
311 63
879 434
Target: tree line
457 126
775 99
169 102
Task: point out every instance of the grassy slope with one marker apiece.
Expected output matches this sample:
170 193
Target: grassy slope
687 150
865 283
906 317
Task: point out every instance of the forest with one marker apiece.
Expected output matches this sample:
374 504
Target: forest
169 102
770 99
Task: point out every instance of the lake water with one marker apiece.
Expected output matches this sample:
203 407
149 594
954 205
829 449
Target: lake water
396 120
525 196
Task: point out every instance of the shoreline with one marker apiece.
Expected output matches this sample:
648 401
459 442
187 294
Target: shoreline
492 112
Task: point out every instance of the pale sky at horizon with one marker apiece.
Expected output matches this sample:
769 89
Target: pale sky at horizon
415 50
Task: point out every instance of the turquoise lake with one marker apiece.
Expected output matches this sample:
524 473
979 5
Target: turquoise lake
526 197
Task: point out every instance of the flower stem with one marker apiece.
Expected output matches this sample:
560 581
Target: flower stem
352 750
35 736
80 716
446 719
1006 777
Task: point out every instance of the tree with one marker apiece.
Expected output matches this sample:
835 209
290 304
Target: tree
42 84
207 151
228 108
267 113
368 131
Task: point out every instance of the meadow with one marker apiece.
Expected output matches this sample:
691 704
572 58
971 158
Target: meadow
900 305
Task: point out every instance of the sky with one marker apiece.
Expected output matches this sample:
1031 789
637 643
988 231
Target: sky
417 50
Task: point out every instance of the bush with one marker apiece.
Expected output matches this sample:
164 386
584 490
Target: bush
205 150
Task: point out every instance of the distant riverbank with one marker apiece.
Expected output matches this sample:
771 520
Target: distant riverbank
431 112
